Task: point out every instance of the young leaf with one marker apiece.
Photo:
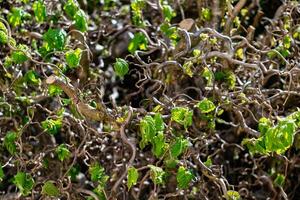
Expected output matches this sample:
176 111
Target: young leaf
168 12
132 177
55 39
139 41
62 152
183 116
19 56
71 7
54 90
24 183
233 195
39 10
179 147
3 37
31 77
52 126
157 174
121 67
159 144
73 57
147 129
98 174
50 189
1 174
3 28
183 177
279 180
10 142
15 16
80 21
206 106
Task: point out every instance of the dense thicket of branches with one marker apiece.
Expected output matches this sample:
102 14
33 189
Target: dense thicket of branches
171 99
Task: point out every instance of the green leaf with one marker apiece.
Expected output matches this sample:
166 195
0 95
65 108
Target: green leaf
3 37
54 90
31 77
147 129
206 106
52 126
183 116
183 177
264 125
168 12
159 123
62 152
179 147
208 162
287 40
132 177
39 10
3 28
138 42
158 144
208 75
187 67
1 174
50 189
55 39
206 14
233 195
279 180
18 56
15 16
80 21
24 183
239 53
121 67
98 174
10 142
157 174
137 15
71 7
73 57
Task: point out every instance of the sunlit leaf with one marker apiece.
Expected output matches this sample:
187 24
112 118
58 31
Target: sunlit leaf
132 177
24 183
183 177
50 189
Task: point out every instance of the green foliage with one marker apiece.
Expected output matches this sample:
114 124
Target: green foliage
52 126
183 116
208 75
19 56
151 129
183 177
3 37
54 90
55 39
98 174
137 14
208 162
39 9
138 42
157 174
132 177
62 152
187 68
80 21
10 142
170 32
24 183
1 174
179 146
206 106
233 195
50 189
206 14
73 57
279 180
276 138
121 67
168 12
31 78
3 28
71 7
16 16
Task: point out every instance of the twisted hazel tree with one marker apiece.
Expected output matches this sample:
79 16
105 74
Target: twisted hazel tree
149 100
